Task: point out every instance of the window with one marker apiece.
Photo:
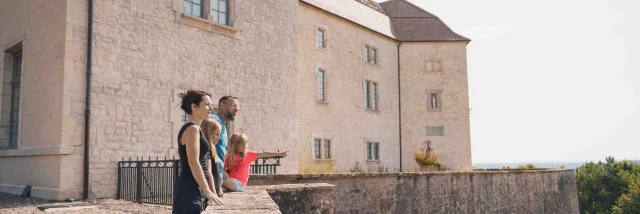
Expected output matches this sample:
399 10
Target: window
373 56
322 149
370 54
320 79
373 151
369 156
434 100
216 16
371 95
366 53
367 95
220 11
185 116
11 91
327 149
193 7
321 38
316 149
374 95
433 66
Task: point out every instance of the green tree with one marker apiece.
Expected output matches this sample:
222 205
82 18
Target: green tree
601 184
629 203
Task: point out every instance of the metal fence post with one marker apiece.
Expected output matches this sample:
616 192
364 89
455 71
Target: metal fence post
119 180
139 181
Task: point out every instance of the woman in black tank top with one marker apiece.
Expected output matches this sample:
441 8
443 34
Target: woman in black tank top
192 193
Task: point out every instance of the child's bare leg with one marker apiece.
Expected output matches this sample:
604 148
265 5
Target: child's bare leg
229 185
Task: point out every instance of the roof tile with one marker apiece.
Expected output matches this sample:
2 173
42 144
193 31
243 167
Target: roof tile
372 4
411 23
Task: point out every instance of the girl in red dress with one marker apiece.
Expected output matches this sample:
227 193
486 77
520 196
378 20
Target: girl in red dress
238 161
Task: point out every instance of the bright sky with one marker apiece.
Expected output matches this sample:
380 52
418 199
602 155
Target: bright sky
550 80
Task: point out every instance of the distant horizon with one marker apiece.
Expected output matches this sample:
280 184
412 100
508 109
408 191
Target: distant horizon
551 165
525 162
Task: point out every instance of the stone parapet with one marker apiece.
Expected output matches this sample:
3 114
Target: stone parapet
287 198
302 198
478 191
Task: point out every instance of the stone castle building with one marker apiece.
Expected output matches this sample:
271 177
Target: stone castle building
332 81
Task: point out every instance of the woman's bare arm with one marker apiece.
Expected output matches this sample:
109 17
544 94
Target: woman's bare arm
210 180
192 141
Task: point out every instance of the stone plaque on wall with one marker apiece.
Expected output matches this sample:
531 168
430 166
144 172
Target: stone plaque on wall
435 130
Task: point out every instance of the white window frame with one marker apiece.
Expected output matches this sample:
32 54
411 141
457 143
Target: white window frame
234 20
371 54
324 37
317 149
321 93
322 151
369 151
326 151
372 95
215 10
191 4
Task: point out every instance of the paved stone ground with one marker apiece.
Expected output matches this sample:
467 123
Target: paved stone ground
253 200
10 204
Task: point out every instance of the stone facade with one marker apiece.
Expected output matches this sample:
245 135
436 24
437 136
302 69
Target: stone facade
346 73
512 191
42 152
144 57
435 68
145 52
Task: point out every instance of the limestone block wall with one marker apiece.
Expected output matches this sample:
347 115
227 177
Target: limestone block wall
435 68
514 191
343 117
145 54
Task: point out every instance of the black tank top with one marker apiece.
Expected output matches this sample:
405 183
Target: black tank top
205 151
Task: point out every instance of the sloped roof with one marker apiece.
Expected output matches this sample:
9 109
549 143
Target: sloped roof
372 4
356 12
411 23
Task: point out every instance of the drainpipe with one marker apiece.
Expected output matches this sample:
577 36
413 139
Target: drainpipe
87 112
399 107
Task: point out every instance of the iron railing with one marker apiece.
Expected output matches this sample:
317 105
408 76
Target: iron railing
147 181
152 181
264 166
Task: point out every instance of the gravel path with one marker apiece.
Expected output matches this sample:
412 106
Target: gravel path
10 204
